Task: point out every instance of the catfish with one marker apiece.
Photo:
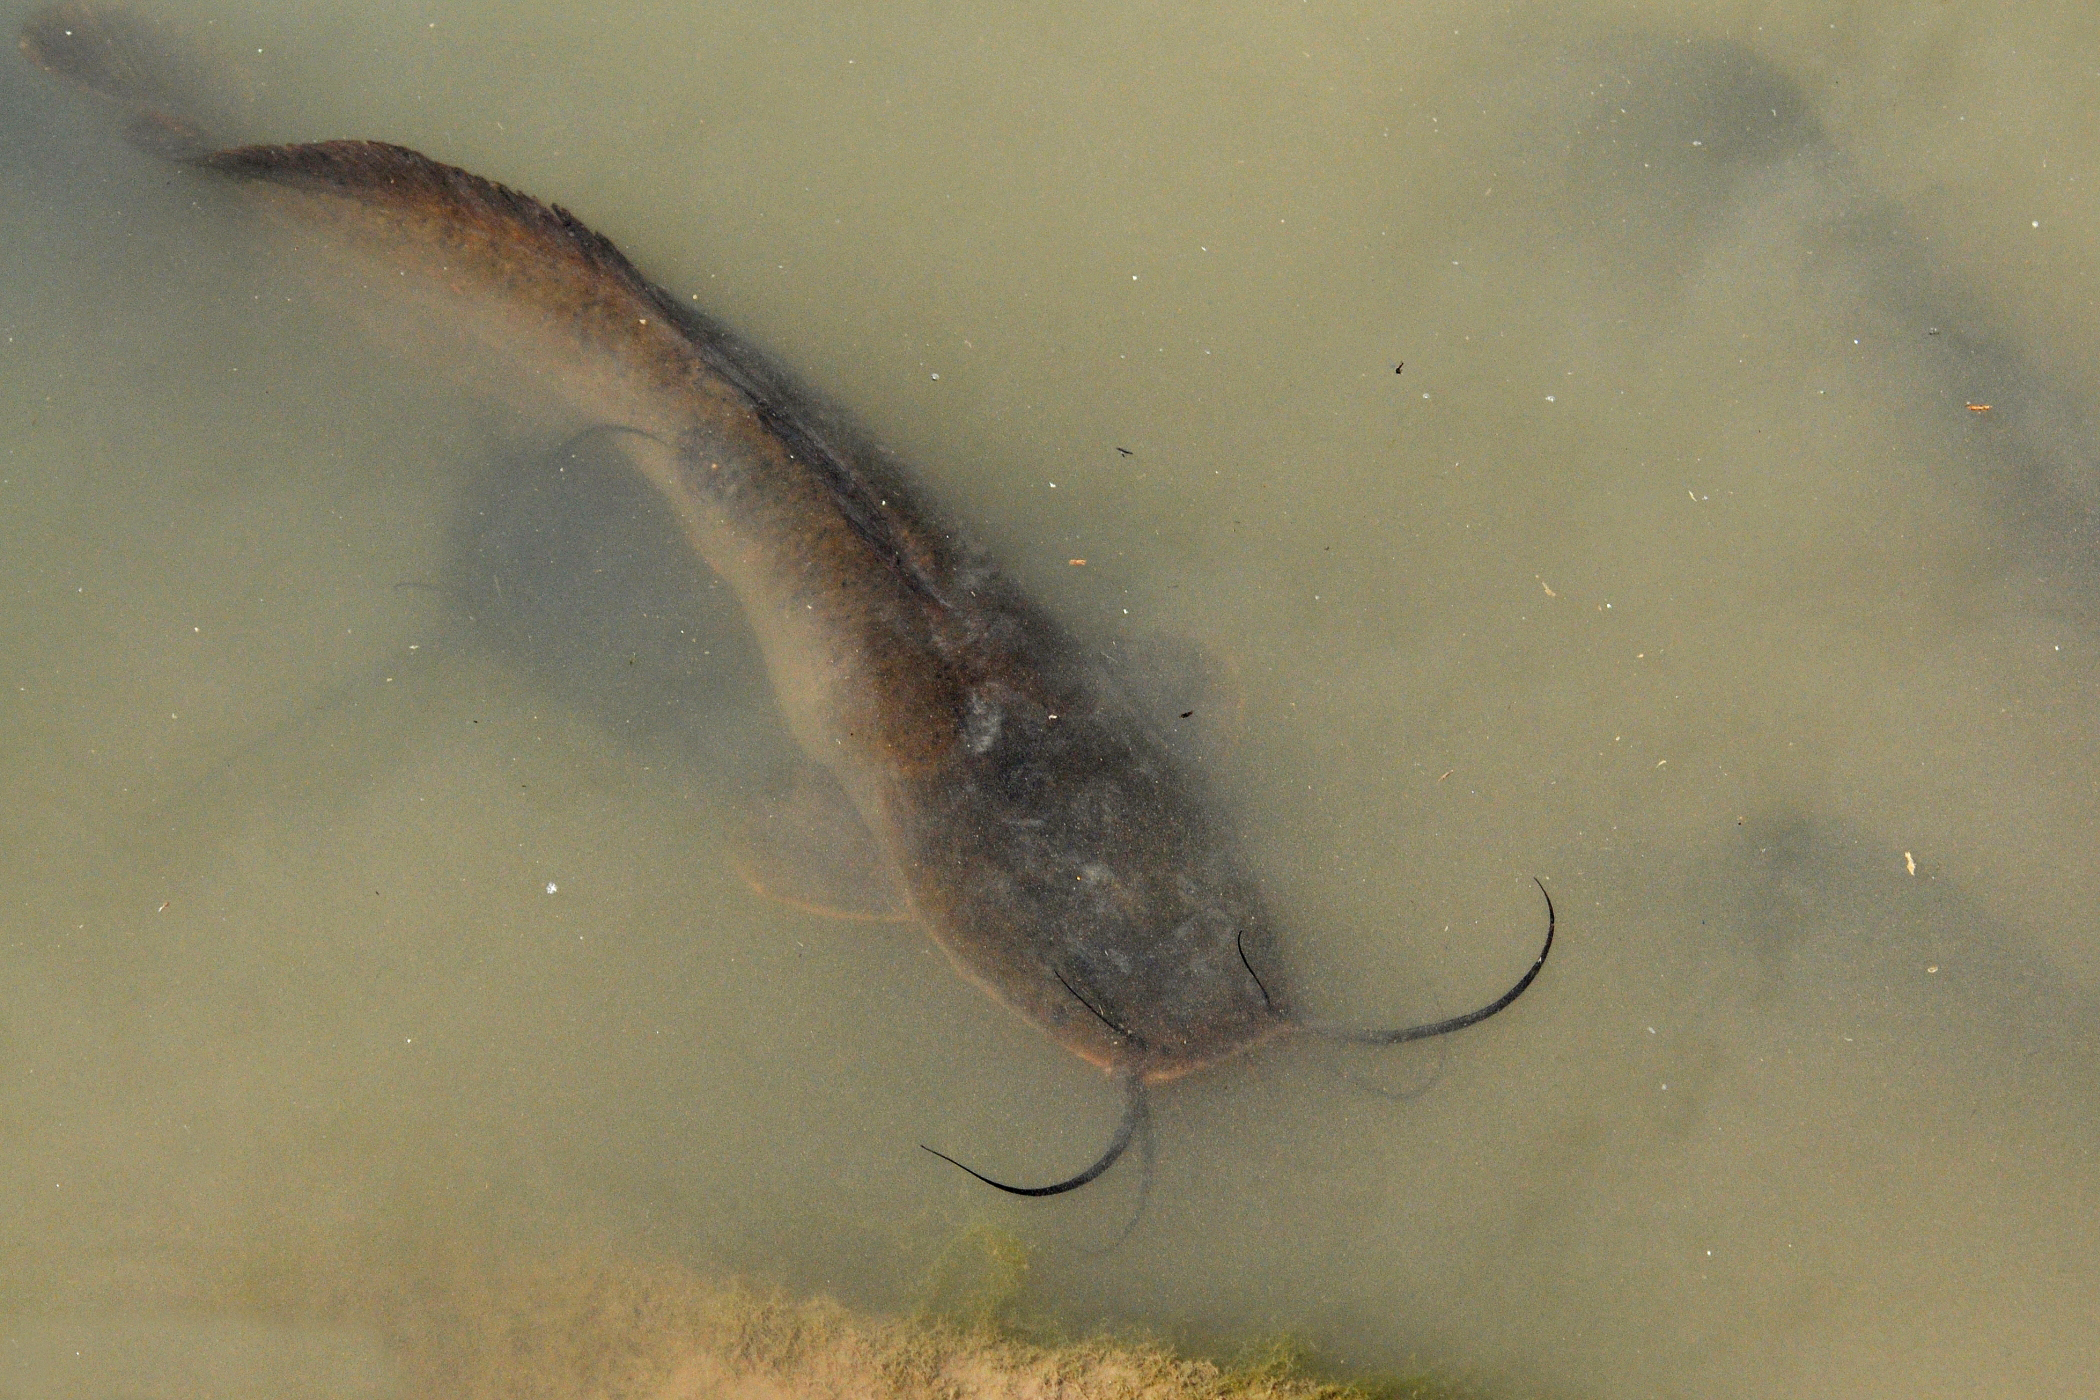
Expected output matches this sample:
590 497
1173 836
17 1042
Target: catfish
1036 822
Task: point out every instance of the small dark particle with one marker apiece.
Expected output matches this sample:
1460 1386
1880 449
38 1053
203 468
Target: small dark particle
1187 713
1126 452
1402 365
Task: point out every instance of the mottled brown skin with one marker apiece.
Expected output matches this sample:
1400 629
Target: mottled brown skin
1047 839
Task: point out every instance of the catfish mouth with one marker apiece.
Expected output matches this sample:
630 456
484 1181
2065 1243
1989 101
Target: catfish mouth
1151 1068
1207 1034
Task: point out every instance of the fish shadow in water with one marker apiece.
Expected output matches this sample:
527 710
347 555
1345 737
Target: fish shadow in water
566 567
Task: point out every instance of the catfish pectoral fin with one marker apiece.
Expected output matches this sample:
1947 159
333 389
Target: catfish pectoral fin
1133 1120
808 848
1453 1023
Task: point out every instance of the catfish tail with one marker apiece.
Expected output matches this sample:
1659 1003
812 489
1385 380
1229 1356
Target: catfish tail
170 94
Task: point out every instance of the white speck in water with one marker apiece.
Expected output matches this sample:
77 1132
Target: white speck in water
550 887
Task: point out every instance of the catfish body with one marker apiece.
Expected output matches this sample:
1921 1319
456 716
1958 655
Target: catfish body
1043 833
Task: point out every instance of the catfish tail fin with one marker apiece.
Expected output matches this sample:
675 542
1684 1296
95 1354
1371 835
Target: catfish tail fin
170 93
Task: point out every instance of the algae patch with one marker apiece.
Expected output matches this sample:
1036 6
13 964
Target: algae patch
625 1331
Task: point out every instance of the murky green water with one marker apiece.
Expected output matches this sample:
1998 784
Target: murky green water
1680 566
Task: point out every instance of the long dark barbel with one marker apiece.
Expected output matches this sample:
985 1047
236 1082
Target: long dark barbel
1040 828
1134 1119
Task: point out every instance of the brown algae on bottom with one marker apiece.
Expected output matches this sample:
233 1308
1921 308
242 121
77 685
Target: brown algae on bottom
661 1332
464 1325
